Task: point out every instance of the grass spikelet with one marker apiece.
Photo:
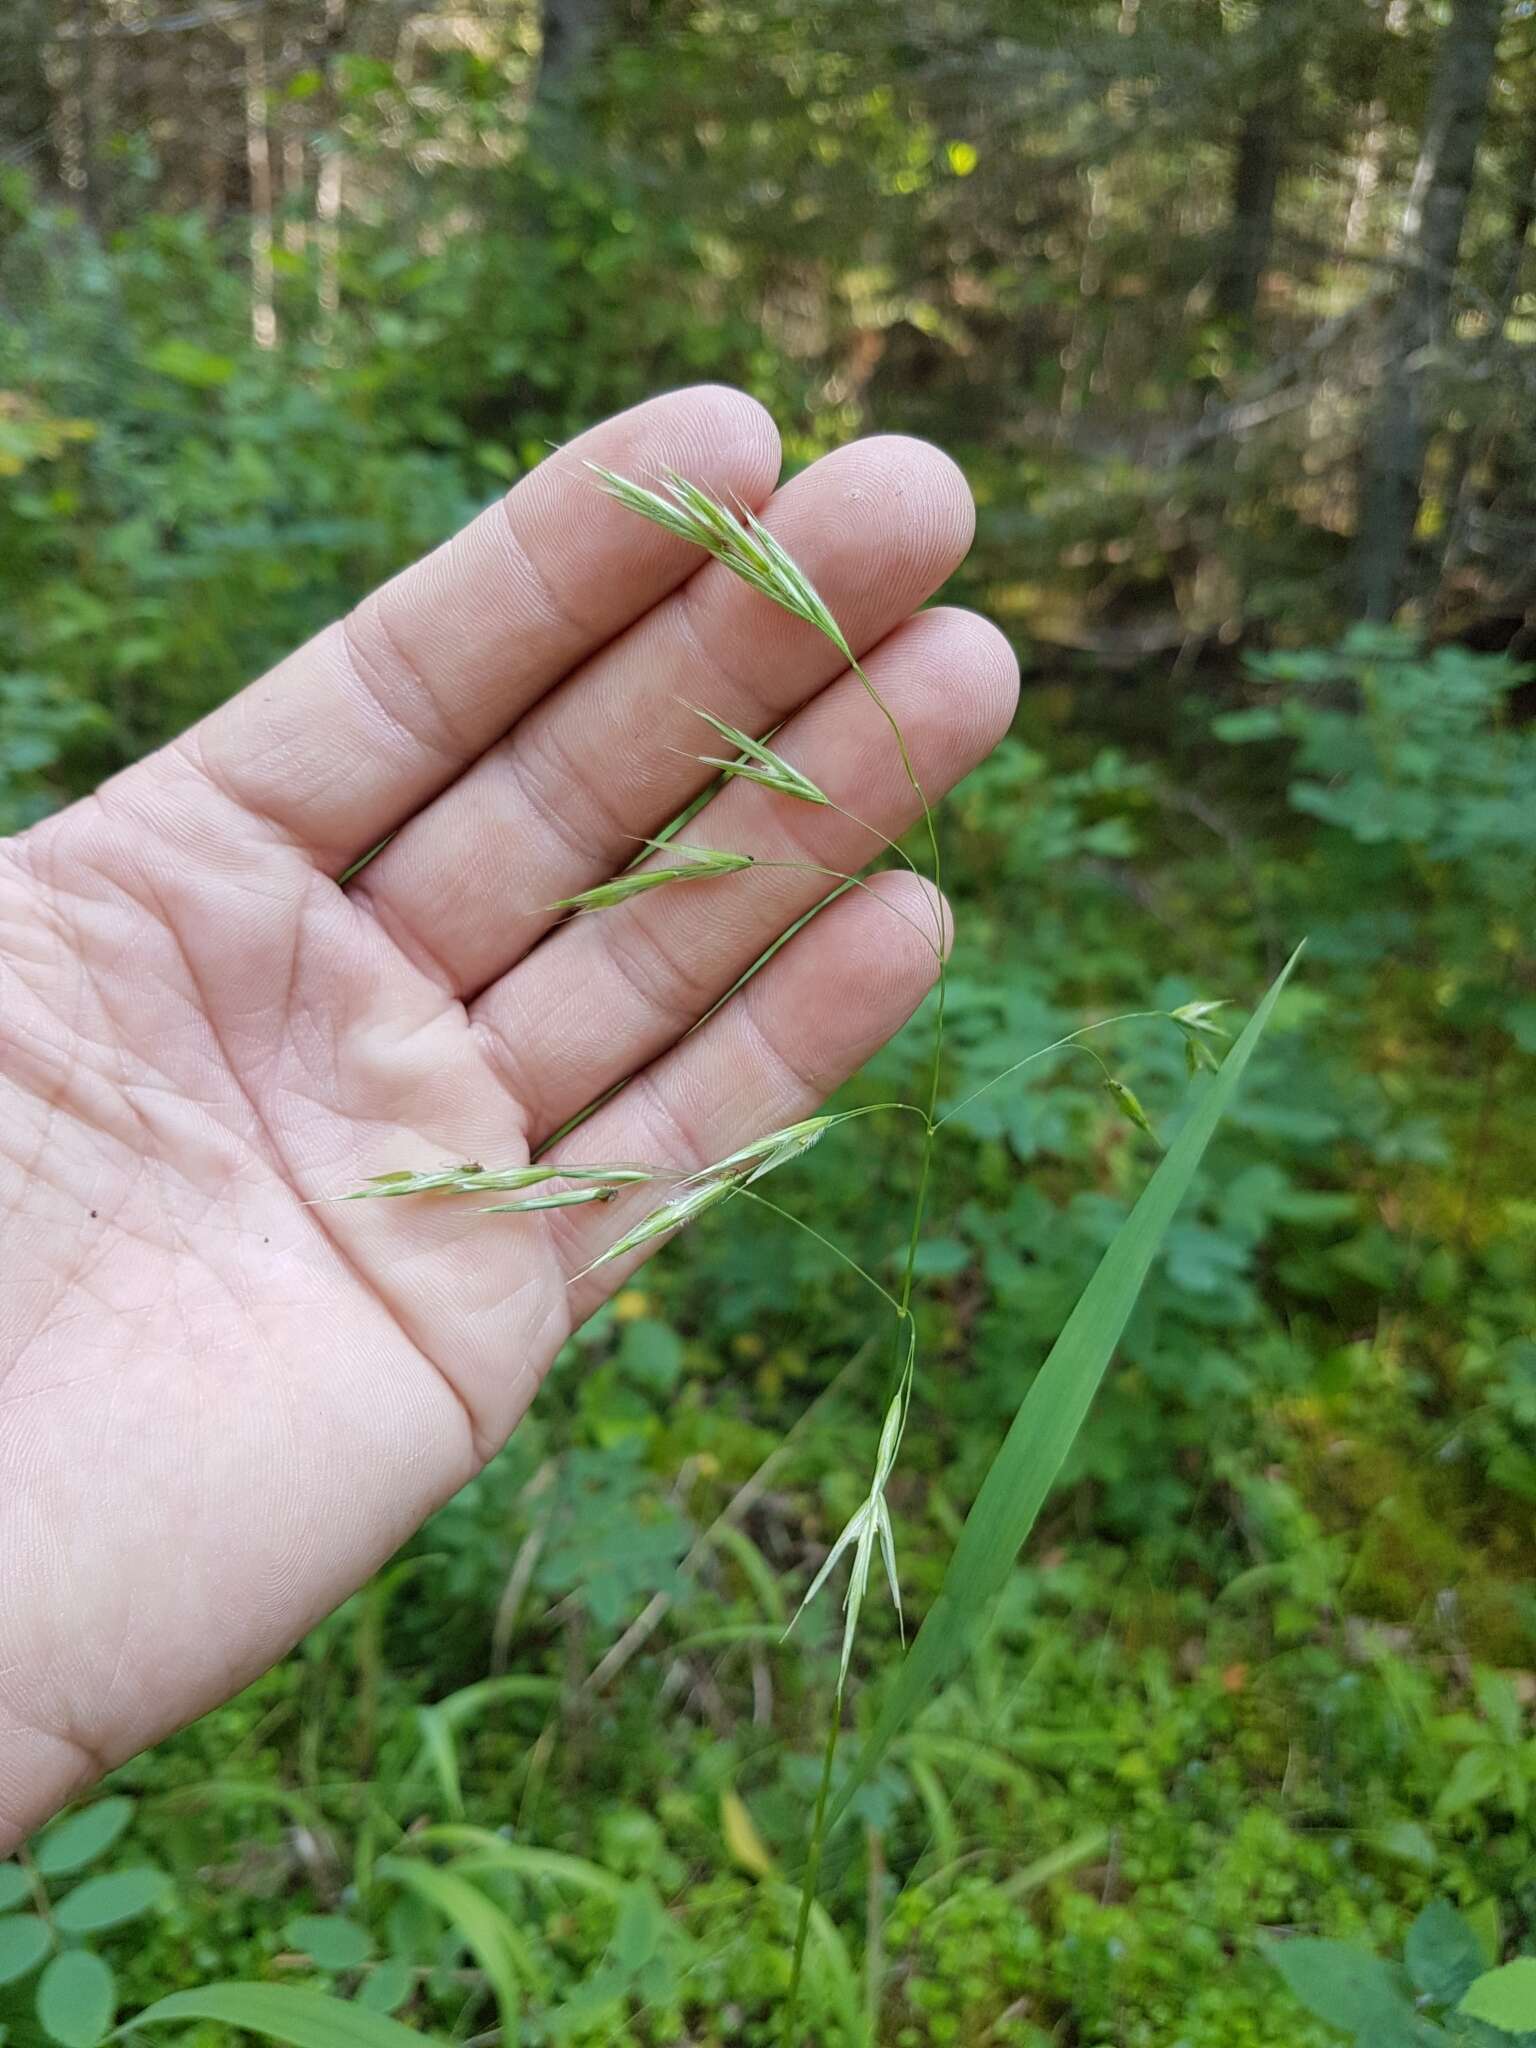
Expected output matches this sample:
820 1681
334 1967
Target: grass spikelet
766 1153
1196 1021
758 763
474 1179
870 1524
700 862
683 1208
562 1198
740 541
1129 1103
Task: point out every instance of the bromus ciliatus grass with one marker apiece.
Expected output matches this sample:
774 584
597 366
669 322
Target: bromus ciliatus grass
1057 1400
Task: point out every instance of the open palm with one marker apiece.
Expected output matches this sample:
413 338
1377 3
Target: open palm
221 1406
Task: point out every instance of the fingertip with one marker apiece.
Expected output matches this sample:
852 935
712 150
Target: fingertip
982 664
737 424
925 918
714 434
928 485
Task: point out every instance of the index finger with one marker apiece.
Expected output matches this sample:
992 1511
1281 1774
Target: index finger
342 741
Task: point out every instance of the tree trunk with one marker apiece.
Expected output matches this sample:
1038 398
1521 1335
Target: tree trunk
570 32
1522 214
1473 452
26 97
1256 170
1430 244
258 157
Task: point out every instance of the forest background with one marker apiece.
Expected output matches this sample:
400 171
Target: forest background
1227 309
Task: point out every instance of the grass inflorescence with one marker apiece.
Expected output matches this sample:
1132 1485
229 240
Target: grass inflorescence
1058 1397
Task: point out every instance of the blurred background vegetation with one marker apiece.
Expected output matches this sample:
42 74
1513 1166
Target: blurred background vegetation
1225 306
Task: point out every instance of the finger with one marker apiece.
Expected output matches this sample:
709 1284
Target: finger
350 735
836 993
610 991
609 756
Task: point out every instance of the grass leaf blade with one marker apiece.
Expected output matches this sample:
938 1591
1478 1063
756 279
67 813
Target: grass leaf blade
1052 1412
280 2012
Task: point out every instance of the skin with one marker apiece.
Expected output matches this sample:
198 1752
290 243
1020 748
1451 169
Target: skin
222 1406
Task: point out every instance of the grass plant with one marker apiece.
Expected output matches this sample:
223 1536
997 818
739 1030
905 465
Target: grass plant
1058 1398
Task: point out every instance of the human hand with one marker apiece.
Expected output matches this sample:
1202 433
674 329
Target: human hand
221 1405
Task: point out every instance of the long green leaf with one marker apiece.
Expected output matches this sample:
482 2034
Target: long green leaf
281 2012
482 1851
498 1946
1052 1412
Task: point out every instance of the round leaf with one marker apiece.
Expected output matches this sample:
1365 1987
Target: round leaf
72 1843
14 1886
1504 1998
386 1988
330 1941
109 1900
24 1941
76 1999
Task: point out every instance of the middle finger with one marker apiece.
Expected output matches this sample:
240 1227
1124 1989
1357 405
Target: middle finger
608 757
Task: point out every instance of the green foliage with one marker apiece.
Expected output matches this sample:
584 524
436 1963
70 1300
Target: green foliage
1442 1991
1415 758
70 1904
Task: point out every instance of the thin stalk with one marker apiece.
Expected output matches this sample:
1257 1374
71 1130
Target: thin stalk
789 1216
809 1881
811 867
904 1316
1068 1044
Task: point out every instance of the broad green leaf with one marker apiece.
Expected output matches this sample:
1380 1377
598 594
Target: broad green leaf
639 1928
76 1998
72 1843
190 364
1504 1998
330 1941
1442 1953
109 1900
281 2012
1475 1776
651 1355
387 1986
1049 1418
498 1946
14 1886
24 1941
1407 1842
1347 1986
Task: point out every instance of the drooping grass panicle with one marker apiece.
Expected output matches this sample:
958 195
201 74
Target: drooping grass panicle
745 546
